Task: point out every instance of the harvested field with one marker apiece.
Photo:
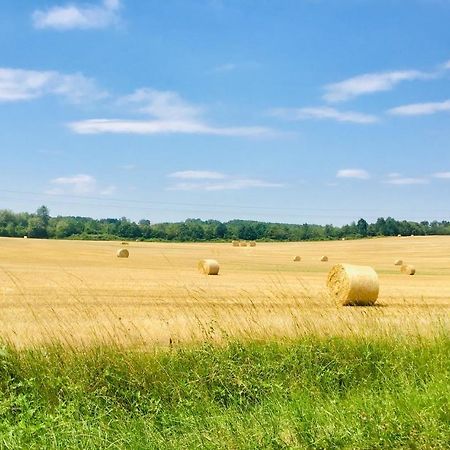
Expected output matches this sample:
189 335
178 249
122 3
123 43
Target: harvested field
79 292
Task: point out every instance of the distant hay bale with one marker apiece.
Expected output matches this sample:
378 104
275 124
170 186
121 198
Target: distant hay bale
25 237
235 243
343 239
324 258
398 262
252 244
123 253
353 285
399 235
243 244
124 243
208 266
298 258
407 269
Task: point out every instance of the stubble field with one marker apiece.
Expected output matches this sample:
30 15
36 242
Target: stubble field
80 293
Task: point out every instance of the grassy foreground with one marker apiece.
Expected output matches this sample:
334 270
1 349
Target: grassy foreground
311 393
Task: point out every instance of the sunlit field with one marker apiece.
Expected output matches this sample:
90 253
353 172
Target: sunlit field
79 293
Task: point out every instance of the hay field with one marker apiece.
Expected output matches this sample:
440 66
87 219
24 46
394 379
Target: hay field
79 292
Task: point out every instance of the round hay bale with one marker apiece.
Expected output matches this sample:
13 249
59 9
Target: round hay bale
398 262
235 243
324 258
208 266
298 258
124 243
399 235
123 253
252 244
243 244
353 285
407 269
25 237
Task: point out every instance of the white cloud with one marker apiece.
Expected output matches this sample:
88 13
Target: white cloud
80 184
359 174
231 184
442 175
420 109
197 175
324 112
71 17
447 65
229 67
369 83
18 85
170 114
127 166
403 181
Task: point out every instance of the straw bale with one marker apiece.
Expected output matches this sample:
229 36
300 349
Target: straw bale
408 269
123 253
353 285
298 258
398 262
324 258
208 266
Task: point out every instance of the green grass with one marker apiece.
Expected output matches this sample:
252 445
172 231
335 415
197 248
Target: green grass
309 393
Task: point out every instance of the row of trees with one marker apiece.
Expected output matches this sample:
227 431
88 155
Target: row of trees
42 225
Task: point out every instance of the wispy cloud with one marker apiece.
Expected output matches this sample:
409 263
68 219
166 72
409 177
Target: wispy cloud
228 67
324 113
420 109
232 184
170 114
370 83
399 180
232 66
197 175
19 85
71 16
80 184
359 174
442 175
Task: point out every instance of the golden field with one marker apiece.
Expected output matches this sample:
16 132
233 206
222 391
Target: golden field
79 292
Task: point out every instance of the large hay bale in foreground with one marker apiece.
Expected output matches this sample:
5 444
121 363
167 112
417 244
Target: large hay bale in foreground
123 253
398 262
235 243
252 244
208 266
324 258
353 285
407 269
243 244
298 258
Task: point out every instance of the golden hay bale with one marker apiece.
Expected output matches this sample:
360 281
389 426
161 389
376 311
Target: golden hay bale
123 253
298 258
398 262
25 237
324 258
407 269
124 243
243 244
208 266
252 244
235 243
353 285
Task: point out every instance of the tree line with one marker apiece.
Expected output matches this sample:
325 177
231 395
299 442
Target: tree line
42 225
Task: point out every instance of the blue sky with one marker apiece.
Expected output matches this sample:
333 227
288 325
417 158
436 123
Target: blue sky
309 110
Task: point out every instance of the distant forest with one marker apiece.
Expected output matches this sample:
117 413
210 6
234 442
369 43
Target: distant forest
42 225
